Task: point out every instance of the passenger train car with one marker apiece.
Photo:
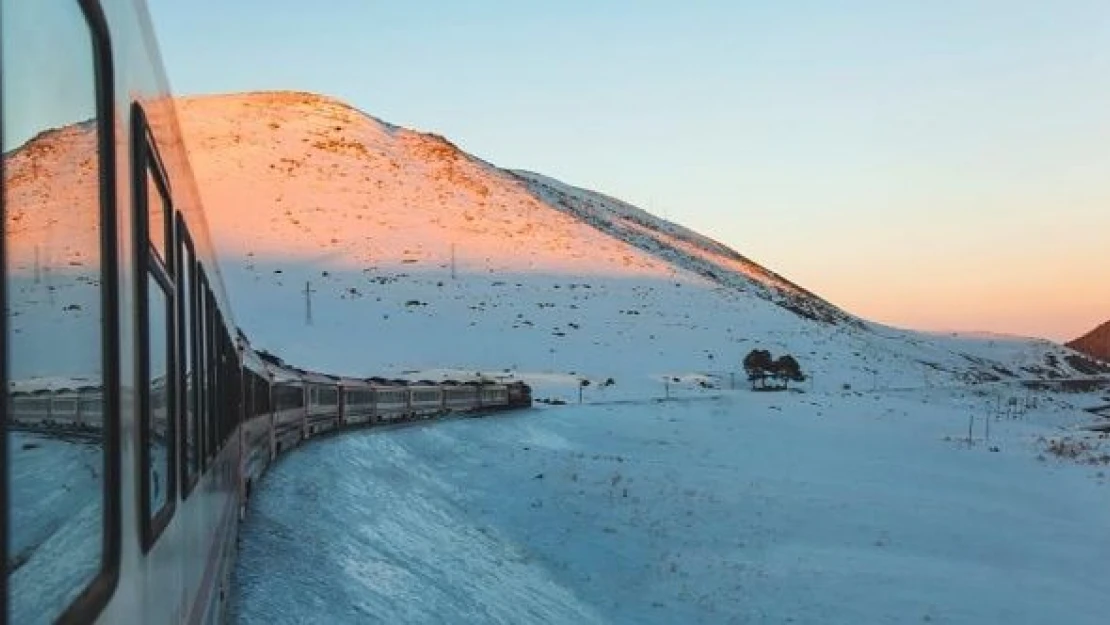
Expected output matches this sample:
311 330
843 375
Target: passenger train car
137 418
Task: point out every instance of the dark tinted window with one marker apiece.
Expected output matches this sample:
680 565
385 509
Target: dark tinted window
187 377
155 291
53 284
159 469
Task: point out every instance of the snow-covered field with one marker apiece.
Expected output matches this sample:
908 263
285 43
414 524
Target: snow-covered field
56 520
729 507
851 502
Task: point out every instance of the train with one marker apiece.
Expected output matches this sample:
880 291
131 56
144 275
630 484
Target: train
137 416
294 404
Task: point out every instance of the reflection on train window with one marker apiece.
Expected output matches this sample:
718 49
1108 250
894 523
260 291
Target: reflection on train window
158 412
261 396
203 386
214 390
52 279
158 467
157 216
188 380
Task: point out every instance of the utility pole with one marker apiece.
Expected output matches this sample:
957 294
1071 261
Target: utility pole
308 291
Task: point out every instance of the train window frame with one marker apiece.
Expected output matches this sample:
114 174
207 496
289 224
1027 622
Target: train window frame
4 394
207 357
147 167
235 384
213 372
5 397
187 341
204 390
220 413
92 599
225 376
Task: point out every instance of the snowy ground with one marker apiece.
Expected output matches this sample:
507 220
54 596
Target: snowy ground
734 507
55 521
851 503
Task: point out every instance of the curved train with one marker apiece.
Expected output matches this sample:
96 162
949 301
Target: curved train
136 418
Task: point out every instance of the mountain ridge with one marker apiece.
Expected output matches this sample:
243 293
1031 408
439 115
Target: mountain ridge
661 240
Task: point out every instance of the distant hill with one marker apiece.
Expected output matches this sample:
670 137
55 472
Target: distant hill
415 255
1095 343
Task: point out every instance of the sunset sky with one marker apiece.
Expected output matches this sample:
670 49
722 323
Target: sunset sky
939 165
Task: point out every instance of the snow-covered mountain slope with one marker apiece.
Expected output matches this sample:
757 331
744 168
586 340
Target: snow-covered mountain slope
418 255
680 246
413 255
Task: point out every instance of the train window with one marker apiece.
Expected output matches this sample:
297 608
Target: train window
249 391
213 375
231 387
158 385
200 323
219 384
222 384
58 325
155 293
157 218
187 379
221 390
235 374
263 402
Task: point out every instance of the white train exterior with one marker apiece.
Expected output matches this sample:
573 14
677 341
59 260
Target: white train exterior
168 411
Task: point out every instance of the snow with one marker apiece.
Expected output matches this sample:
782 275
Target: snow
730 507
853 501
56 521
417 255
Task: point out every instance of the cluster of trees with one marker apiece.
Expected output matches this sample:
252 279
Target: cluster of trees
760 367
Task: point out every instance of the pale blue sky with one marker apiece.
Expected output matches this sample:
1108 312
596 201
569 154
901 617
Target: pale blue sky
48 78
937 164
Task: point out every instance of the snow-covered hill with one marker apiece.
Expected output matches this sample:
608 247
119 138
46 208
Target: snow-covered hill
875 496
414 255
418 255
